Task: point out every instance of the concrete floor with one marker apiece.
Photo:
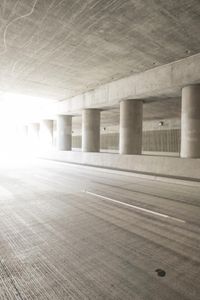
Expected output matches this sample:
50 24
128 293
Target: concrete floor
59 241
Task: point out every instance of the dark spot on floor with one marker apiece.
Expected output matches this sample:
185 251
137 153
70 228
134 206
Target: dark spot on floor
160 272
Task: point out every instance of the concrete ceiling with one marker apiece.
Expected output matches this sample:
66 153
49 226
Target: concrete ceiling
61 48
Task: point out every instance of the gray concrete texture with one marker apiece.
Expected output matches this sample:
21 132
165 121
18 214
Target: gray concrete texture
160 83
64 132
168 111
65 48
158 142
190 122
130 139
59 242
155 137
91 130
156 165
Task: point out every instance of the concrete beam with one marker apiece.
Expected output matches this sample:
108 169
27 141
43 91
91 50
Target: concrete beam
160 82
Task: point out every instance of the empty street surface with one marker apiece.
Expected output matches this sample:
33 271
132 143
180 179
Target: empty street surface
68 232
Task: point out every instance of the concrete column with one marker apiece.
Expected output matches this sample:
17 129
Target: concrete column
22 131
91 130
131 112
190 122
22 135
46 133
25 131
33 136
33 130
64 132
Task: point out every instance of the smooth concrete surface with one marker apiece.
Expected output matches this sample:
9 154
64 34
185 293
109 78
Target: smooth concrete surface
158 83
46 133
71 233
176 154
130 139
91 130
190 122
166 110
148 164
64 132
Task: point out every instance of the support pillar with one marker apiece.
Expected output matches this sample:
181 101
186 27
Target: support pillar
33 130
33 136
64 132
22 132
91 130
131 112
190 122
46 133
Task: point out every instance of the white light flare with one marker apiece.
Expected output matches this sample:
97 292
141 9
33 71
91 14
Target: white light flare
16 111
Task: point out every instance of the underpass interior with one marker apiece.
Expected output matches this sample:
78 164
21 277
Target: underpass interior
100 150
161 128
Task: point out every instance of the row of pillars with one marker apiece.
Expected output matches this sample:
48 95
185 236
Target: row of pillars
130 129
131 117
44 130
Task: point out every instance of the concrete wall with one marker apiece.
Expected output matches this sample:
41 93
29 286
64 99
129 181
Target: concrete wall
154 140
156 137
154 165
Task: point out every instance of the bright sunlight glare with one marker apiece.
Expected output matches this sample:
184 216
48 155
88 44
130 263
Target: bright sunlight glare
16 112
